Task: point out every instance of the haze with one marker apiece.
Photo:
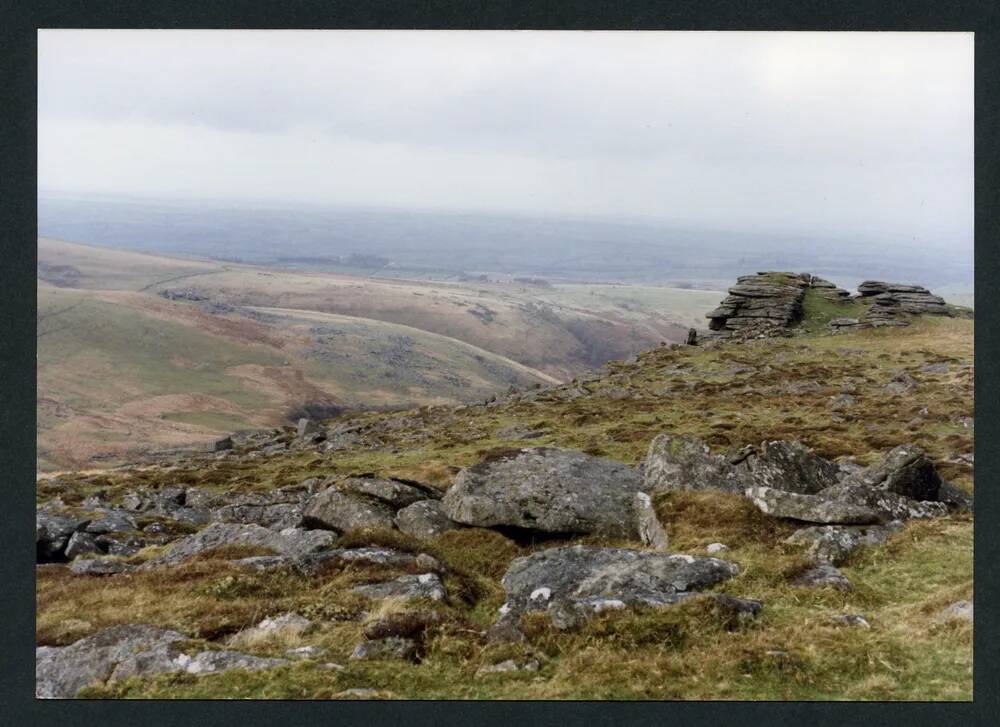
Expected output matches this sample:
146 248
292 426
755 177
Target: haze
824 135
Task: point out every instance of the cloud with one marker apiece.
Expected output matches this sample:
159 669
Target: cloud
844 133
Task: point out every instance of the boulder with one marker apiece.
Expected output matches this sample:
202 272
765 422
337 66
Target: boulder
332 509
306 427
210 662
426 585
823 575
682 462
789 466
277 516
52 534
81 543
905 470
60 672
834 543
392 647
99 567
112 520
424 519
506 667
289 542
579 580
960 610
548 490
887 505
809 508
651 531
393 492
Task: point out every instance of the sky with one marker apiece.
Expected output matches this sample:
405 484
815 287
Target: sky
839 134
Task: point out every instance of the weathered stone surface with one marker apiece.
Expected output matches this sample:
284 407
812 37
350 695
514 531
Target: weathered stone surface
210 662
311 563
52 534
905 470
789 466
809 508
343 511
60 672
305 427
392 647
393 492
887 505
834 543
682 462
960 610
111 521
290 542
81 543
426 585
822 575
277 516
506 667
548 490
955 497
852 619
651 530
99 567
585 579
424 519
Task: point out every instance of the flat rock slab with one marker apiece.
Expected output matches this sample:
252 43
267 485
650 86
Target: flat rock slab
311 563
809 508
834 543
886 504
425 585
289 542
547 490
600 578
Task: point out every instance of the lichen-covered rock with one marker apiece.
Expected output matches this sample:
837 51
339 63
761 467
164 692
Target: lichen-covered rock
682 462
424 519
333 509
822 575
393 492
810 508
577 579
52 534
81 543
789 466
425 585
210 662
834 543
289 542
651 530
547 490
99 567
905 470
887 505
392 647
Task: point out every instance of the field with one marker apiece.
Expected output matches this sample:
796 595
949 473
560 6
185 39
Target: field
123 369
730 396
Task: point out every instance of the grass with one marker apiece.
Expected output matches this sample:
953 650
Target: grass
729 395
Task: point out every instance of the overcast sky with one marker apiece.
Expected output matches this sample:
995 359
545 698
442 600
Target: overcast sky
837 133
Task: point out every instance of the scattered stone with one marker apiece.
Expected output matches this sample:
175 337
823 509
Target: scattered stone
362 693
852 619
81 543
391 647
824 574
651 530
809 508
506 667
955 497
960 610
288 622
424 519
309 652
426 585
210 662
716 548
547 490
99 567
111 521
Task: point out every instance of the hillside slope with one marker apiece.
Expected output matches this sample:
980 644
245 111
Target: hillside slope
849 397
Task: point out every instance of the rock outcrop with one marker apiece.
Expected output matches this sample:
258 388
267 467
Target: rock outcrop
547 490
892 302
765 302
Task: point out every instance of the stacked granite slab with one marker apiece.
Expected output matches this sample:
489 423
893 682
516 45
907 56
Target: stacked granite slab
891 303
768 302
828 290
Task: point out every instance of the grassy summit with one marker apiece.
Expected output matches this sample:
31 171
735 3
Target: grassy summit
851 395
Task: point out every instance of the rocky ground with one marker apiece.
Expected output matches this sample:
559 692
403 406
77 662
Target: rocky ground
766 517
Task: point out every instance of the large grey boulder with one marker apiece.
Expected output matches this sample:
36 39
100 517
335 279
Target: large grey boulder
548 490
789 466
424 519
333 509
578 580
289 542
834 543
810 508
682 462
